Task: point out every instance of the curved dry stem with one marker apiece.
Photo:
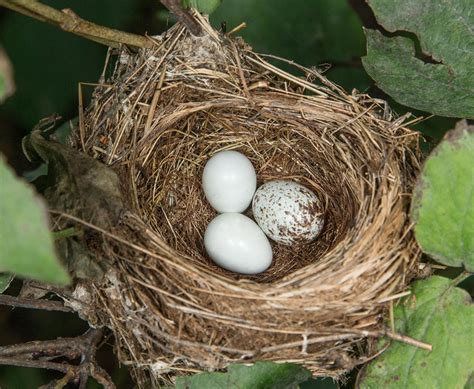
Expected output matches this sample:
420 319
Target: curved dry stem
69 21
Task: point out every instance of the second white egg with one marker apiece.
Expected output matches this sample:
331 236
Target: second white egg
236 243
229 181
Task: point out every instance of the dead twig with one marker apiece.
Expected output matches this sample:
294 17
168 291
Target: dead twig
40 354
183 15
69 21
20 302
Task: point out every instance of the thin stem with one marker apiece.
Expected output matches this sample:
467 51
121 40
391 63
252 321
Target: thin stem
66 345
67 233
62 367
46 305
408 340
461 277
67 20
184 16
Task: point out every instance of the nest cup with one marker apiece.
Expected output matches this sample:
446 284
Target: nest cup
156 121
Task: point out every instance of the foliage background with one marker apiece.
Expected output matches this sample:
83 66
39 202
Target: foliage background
49 63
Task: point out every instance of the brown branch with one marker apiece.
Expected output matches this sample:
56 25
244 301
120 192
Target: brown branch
79 344
46 305
38 354
60 383
71 371
67 20
101 376
47 347
408 340
395 336
184 16
62 367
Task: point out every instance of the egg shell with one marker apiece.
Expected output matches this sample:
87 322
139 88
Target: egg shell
236 243
287 212
229 181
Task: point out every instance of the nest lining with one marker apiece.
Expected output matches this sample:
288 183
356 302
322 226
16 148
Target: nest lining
163 113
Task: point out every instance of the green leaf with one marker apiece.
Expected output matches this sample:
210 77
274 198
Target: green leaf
443 200
5 281
444 30
261 375
26 245
437 313
308 32
204 6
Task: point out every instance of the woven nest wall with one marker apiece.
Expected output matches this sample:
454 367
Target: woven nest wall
156 121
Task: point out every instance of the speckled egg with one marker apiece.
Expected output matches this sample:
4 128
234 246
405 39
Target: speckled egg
288 213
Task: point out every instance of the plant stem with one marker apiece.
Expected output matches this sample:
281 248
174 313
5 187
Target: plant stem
20 302
461 277
183 15
67 233
67 20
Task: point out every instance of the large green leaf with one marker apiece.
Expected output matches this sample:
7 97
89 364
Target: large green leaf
26 245
443 202
443 85
204 6
307 32
438 313
261 375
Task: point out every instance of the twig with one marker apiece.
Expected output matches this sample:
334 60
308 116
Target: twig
395 336
461 277
62 367
79 344
184 16
154 101
67 233
237 28
38 354
241 72
408 340
68 346
102 377
60 383
46 305
67 20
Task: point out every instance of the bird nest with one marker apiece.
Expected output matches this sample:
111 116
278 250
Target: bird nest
155 121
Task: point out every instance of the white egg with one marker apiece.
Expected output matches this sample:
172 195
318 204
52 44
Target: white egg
237 243
288 212
229 181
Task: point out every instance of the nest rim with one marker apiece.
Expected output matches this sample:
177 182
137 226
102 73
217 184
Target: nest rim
376 275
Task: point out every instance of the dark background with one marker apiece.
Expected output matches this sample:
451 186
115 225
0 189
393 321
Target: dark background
49 64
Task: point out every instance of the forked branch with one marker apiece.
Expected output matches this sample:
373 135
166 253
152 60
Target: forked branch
44 355
68 20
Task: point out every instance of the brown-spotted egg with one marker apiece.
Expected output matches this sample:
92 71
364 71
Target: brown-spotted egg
288 212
